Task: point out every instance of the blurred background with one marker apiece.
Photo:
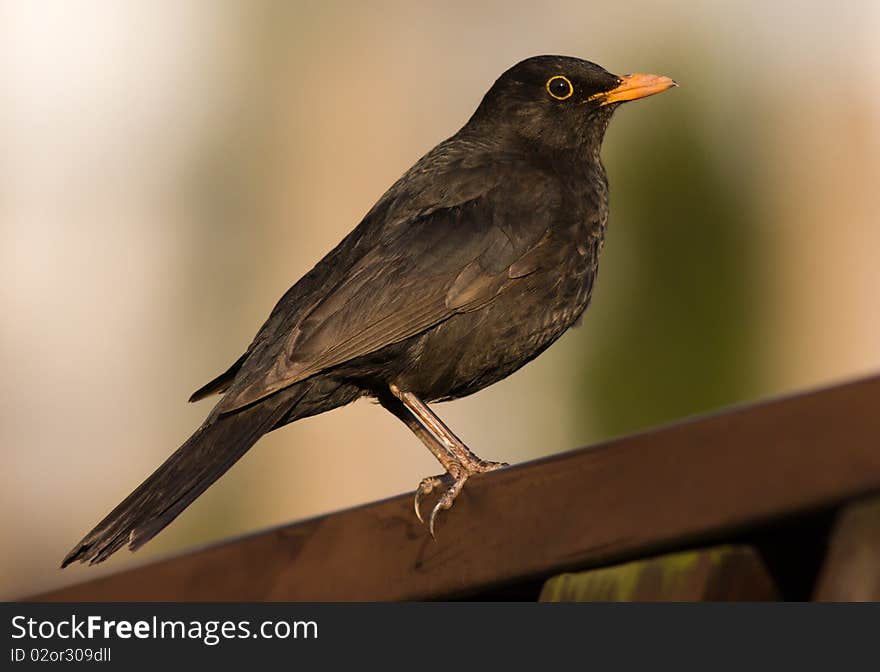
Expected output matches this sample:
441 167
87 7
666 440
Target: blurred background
169 169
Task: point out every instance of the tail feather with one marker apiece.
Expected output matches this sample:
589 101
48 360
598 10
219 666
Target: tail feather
200 461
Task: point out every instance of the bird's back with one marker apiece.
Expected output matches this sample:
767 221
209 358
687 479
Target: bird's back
460 227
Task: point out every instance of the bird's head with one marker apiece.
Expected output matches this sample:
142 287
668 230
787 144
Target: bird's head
559 102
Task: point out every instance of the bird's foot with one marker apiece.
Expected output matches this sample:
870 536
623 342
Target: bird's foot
454 481
427 486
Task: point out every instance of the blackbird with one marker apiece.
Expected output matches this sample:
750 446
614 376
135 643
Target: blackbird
473 263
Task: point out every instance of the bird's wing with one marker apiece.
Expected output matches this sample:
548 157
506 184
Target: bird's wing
451 260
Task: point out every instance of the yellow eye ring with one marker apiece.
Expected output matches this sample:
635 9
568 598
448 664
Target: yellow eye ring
561 93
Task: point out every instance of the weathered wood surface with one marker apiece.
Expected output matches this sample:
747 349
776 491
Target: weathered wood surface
851 572
718 574
697 480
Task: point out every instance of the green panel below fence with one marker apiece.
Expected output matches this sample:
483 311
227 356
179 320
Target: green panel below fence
712 574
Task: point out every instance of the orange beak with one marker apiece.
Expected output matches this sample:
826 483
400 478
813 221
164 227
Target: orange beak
633 87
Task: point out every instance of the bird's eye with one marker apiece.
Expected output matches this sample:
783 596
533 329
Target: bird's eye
559 87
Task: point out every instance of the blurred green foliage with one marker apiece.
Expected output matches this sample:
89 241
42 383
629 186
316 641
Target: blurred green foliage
670 330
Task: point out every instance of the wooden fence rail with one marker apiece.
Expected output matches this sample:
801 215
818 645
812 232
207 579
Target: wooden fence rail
710 479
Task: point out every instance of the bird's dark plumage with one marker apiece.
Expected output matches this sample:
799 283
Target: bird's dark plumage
476 260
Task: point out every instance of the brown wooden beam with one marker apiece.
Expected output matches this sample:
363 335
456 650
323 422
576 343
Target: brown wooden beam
699 479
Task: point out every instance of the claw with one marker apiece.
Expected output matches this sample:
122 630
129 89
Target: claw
416 503
443 505
446 500
431 523
479 466
426 487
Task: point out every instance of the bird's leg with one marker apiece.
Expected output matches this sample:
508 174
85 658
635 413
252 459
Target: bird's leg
438 428
465 462
443 455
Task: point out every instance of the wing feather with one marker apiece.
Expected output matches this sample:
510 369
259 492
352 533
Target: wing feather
447 261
